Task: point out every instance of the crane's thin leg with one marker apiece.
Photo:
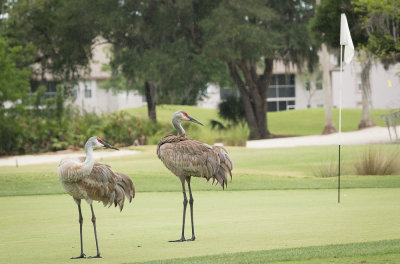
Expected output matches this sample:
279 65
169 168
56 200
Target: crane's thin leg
78 202
185 201
95 233
191 200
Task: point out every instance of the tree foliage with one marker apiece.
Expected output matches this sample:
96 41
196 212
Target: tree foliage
14 77
381 20
62 33
249 36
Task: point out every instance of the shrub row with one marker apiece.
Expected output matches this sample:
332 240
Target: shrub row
31 131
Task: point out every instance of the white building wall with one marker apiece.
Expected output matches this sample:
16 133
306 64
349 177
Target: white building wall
103 101
212 98
385 86
315 97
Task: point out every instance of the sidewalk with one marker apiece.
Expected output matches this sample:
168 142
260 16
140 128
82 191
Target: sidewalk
56 157
371 135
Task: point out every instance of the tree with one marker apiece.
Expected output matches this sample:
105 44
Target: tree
158 49
14 87
14 77
249 36
326 28
381 20
62 32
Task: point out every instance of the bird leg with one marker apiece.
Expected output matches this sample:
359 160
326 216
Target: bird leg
78 202
185 201
191 200
95 233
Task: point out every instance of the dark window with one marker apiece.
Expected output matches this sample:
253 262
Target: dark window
282 106
88 89
272 107
272 92
75 91
226 92
282 85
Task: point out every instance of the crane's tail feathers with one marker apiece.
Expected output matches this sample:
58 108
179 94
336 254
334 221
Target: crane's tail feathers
220 170
124 188
226 168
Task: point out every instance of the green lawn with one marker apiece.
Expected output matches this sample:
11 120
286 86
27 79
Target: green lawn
46 229
274 211
293 122
254 169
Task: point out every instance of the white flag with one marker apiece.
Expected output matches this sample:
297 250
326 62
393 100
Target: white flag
345 39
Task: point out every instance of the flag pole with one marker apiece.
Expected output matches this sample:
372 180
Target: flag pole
345 40
340 114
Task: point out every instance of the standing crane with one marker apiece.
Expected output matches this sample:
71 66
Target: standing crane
83 178
188 157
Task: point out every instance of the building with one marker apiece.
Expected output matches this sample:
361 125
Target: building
290 89
88 95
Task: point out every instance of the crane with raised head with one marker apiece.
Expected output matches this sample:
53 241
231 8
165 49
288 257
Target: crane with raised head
187 157
83 178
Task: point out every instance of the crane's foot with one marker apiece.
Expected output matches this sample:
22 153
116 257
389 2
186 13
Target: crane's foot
191 239
97 256
179 240
78 257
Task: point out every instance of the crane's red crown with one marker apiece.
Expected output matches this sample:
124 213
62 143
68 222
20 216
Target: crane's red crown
183 112
99 139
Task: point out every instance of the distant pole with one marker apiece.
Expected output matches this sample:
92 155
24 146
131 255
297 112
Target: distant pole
340 114
345 40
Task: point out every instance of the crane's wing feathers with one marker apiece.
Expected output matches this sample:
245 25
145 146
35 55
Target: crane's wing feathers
107 186
72 169
99 183
189 157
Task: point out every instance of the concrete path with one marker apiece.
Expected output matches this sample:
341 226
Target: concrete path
366 136
57 156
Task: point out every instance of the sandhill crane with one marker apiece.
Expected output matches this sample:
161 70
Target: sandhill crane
188 157
83 178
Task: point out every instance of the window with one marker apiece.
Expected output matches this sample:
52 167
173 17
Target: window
281 92
308 86
359 82
282 85
226 92
276 106
88 89
75 91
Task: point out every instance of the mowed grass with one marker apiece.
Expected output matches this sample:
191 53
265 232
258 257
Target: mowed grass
293 122
254 169
274 211
231 227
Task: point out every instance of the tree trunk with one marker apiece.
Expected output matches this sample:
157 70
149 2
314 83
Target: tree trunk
253 93
366 120
326 75
248 109
150 92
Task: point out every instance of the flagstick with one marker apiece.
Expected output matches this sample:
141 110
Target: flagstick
340 113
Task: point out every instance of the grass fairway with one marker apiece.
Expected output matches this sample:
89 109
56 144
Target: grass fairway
274 211
268 225
294 122
254 169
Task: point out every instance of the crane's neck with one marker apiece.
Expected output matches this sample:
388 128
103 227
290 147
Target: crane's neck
89 161
177 124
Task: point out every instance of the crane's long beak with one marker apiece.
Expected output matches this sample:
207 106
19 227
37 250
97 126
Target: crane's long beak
106 145
194 121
